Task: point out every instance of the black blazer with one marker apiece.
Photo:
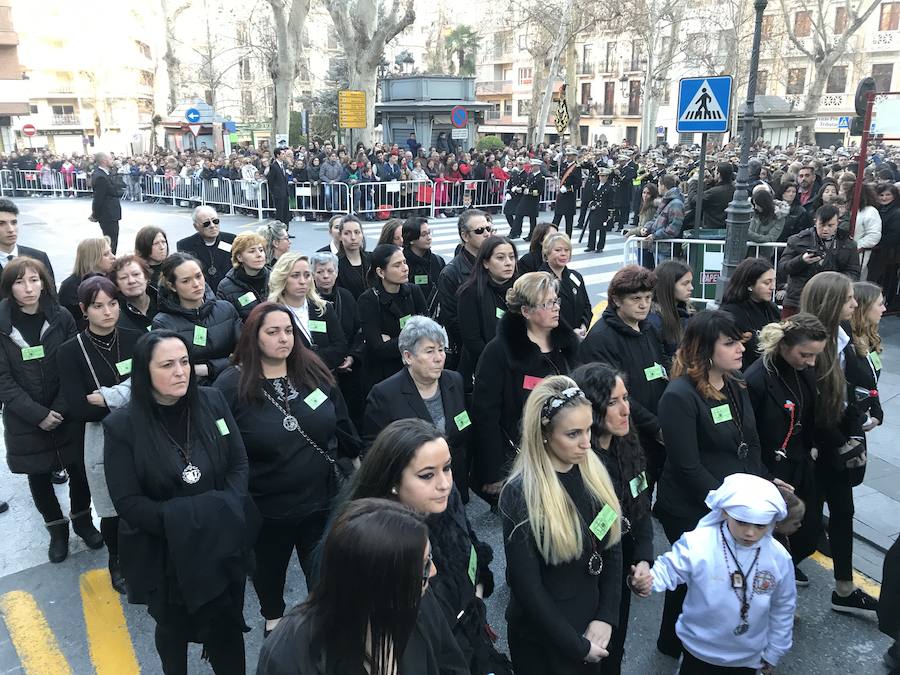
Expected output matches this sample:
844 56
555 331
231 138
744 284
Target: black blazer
353 278
105 206
575 305
330 344
218 256
397 398
278 183
37 254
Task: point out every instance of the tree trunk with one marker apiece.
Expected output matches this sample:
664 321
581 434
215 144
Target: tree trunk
538 83
572 93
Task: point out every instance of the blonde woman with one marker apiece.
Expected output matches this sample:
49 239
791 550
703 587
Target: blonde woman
575 309
561 531
291 284
865 369
92 256
247 282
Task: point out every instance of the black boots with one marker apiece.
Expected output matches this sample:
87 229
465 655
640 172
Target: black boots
59 540
115 575
83 526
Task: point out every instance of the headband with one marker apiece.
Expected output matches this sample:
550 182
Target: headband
553 404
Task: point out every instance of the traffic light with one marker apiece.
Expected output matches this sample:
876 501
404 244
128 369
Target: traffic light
866 85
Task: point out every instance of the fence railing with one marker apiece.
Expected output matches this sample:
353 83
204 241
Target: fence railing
705 256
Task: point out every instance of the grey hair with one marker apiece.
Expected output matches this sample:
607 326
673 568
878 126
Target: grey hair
420 328
271 230
195 214
101 155
323 258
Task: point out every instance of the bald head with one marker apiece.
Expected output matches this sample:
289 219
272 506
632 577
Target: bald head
206 222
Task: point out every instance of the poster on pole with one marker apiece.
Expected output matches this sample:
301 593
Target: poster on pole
351 109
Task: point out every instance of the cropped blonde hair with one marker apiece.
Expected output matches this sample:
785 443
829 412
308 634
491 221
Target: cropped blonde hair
278 279
557 526
88 254
552 240
530 290
244 241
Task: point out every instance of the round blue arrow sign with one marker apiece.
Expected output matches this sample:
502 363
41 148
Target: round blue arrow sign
459 117
192 115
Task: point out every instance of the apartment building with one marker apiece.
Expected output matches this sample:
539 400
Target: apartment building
13 94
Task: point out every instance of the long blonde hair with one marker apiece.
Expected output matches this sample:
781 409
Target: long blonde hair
555 522
278 279
88 254
866 337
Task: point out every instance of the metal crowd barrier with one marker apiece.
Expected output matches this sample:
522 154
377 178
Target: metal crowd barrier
705 257
384 200
314 199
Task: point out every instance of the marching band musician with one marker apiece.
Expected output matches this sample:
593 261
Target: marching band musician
514 196
628 172
600 209
532 191
570 181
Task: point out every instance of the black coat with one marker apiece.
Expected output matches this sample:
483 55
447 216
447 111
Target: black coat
218 256
479 311
575 305
529 262
627 174
424 272
278 190
511 204
353 278
842 257
750 317
532 193
795 221
328 339
30 389
889 600
242 291
381 313
511 366
565 201
131 318
68 299
715 201
397 398
218 317
294 647
699 452
452 277
106 206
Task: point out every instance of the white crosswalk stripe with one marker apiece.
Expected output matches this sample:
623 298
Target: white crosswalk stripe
597 269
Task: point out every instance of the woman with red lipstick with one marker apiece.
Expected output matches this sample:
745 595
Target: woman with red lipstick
614 441
575 308
288 410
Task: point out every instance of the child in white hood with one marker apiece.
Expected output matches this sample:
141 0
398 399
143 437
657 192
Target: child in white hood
738 615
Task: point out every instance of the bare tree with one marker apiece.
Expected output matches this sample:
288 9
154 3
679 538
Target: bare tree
365 27
170 17
285 59
822 47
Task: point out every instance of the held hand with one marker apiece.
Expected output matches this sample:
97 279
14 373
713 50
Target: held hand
595 654
201 370
51 421
563 189
779 295
346 365
599 633
641 581
780 483
92 219
96 398
814 453
871 424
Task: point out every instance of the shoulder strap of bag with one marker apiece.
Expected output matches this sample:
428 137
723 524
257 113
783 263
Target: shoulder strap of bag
87 358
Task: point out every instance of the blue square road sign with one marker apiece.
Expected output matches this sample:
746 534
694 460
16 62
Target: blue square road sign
704 104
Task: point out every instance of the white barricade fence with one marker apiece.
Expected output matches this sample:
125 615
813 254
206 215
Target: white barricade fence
311 201
468 194
395 197
251 196
158 188
705 256
6 183
217 192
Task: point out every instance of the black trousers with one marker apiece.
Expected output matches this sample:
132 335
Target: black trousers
674 528
110 228
109 529
570 221
612 664
834 489
277 540
225 652
518 220
44 495
597 225
530 657
691 665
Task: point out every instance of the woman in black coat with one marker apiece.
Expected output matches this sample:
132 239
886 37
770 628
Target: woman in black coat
481 300
797 218
710 432
384 310
137 302
748 298
289 412
38 436
209 325
97 367
354 262
291 284
424 265
564 581
782 388
92 256
575 309
247 282
424 390
531 344
614 441
534 258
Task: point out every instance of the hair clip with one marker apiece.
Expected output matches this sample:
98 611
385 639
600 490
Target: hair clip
554 403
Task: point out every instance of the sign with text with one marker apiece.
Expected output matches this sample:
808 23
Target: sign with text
351 109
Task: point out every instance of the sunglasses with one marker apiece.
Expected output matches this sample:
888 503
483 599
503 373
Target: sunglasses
482 230
210 223
426 573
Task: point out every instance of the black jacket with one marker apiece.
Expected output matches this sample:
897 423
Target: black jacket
795 221
344 305
105 205
529 262
424 272
553 604
353 278
295 647
242 291
890 224
511 366
700 452
841 256
328 341
750 317
30 389
715 201
452 277
565 201
398 398
382 313
131 318
217 257
479 311
510 205
575 305
68 298
222 328
532 193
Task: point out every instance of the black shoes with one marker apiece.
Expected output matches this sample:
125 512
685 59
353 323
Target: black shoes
4 507
83 526
800 578
115 575
59 540
858 602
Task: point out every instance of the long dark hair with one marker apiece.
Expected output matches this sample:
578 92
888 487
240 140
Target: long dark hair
745 276
391 452
537 238
379 258
480 276
370 585
766 203
153 455
167 272
303 366
667 275
597 381
695 353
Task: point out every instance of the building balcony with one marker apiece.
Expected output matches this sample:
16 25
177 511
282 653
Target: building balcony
836 102
585 69
885 40
494 87
67 119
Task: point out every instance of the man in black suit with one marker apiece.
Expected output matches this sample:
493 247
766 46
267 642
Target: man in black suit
210 246
106 208
278 186
9 236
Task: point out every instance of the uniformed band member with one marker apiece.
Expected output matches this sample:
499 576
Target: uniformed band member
570 180
600 210
531 190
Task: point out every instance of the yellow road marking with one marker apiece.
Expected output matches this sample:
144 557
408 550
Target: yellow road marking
34 641
597 311
107 632
870 586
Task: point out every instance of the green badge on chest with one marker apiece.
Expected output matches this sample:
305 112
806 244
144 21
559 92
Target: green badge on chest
721 413
32 353
604 520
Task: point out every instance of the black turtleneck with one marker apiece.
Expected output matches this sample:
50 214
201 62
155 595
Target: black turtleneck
29 325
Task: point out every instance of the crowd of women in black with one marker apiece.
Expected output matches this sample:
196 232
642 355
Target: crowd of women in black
342 404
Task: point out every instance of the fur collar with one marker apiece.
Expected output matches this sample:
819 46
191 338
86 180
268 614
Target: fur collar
512 330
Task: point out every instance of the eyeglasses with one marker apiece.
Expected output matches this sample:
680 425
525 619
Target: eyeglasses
482 230
210 223
426 573
547 305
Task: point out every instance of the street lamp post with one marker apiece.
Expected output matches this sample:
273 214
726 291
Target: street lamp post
739 211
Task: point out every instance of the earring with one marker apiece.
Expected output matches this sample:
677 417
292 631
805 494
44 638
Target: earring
710 363
394 491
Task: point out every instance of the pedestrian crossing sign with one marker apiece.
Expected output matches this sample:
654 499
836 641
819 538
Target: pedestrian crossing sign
704 104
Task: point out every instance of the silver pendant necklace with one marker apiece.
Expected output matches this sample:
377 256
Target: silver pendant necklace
191 473
289 422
